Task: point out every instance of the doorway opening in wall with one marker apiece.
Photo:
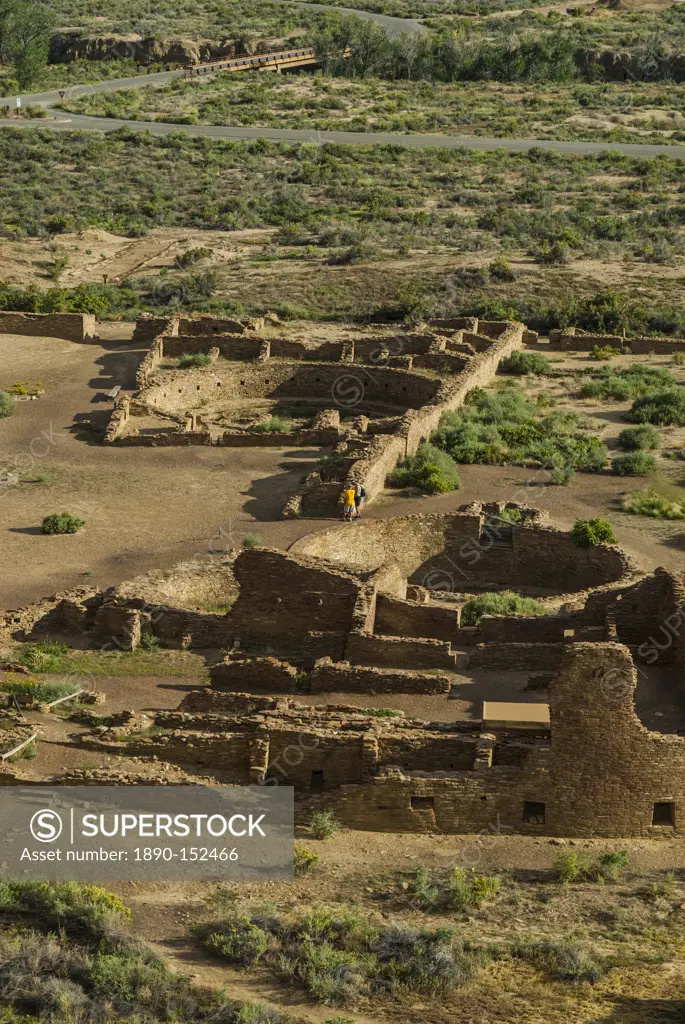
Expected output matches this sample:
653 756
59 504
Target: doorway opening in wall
419 803
533 812
664 813
317 781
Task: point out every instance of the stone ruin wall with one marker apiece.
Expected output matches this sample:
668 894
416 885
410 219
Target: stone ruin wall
573 339
596 771
601 774
70 326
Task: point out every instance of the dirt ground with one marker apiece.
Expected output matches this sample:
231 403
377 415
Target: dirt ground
150 508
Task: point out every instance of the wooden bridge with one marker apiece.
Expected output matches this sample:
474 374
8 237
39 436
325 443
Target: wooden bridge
275 61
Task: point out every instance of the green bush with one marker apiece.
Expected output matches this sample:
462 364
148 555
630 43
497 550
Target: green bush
524 362
503 602
430 470
192 359
236 939
251 540
604 352
644 437
190 256
637 463
664 408
7 404
469 891
150 642
323 824
649 503
274 425
587 533
304 859
62 522
570 866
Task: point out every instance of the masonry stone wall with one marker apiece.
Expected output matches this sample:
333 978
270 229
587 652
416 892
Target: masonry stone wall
149 327
254 674
343 677
398 652
283 598
70 326
516 657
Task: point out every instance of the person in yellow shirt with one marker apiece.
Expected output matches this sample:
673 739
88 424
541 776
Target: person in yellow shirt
348 502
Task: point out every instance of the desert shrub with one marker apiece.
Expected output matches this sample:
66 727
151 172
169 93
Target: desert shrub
7 404
193 359
86 910
339 956
524 362
610 864
469 891
150 642
422 890
305 860
678 358
663 408
644 437
503 602
604 352
274 425
563 959
235 939
500 270
649 503
637 463
503 428
511 515
43 655
251 540
587 533
560 474
323 824
190 256
430 470
62 522
570 866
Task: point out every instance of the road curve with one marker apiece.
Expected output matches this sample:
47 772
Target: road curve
77 122
63 121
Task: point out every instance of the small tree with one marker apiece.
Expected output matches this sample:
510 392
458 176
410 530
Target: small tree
588 533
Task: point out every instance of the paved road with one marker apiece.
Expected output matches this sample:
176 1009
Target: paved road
62 121
71 122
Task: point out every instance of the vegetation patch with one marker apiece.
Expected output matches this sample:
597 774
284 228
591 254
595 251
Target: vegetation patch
7 404
644 437
190 360
503 602
340 957
638 463
502 428
663 408
430 470
631 382
650 503
520 363
588 533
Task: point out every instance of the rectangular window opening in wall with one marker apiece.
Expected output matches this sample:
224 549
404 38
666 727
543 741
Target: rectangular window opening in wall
317 780
422 803
533 812
664 813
